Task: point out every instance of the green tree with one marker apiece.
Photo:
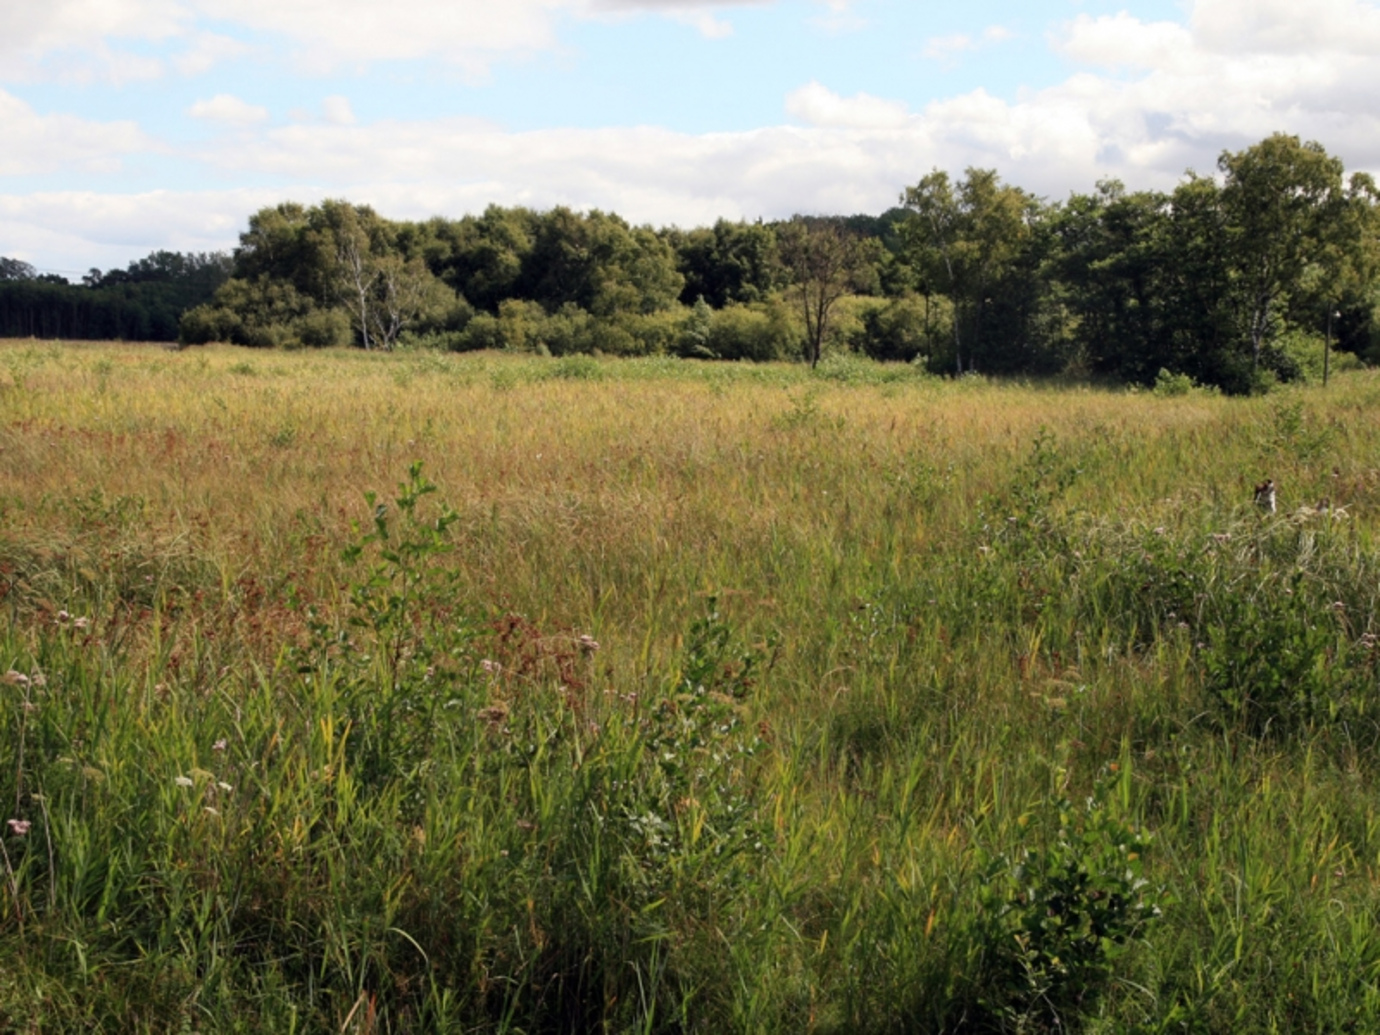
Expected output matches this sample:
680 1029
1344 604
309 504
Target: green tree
963 239
1109 257
599 263
727 263
357 246
16 269
1283 202
482 257
825 263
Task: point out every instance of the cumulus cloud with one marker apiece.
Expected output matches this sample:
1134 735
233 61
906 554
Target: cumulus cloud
1147 100
85 29
37 144
1153 99
224 107
820 106
1280 27
31 29
1229 77
74 230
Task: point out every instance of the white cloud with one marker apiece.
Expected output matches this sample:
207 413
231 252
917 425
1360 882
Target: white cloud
74 230
947 48
31 29
1148 99
840 19
1122 41
80 33
336 109
820 106
1282 27
709 27
37 144
328 34
698 14
224 107
206 50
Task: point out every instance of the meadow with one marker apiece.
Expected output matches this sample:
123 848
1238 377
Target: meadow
344 692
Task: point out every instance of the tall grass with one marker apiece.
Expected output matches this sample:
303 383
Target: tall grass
664 697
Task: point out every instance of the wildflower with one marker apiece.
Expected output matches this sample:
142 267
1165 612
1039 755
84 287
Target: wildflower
491 667
219 745
183 781
588 644
14 678
63 616
39 679
19 827
227 788
1338 606
211 810
80 623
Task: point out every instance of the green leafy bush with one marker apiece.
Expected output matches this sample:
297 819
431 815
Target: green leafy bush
1058 913
1277 661
1169 385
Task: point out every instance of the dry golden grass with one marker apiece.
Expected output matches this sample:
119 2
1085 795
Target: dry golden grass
598 501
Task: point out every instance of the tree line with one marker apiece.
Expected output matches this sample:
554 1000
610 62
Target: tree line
1235 280
145 302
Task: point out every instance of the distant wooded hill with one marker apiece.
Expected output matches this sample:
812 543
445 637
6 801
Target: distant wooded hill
1236 280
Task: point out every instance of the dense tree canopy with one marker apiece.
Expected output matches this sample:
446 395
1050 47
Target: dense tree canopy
1231 279
144 302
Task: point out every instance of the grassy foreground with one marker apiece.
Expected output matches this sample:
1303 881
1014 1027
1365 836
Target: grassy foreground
665 697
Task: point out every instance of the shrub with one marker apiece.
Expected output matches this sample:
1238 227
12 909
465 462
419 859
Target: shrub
905 328
1057 916
758 332
1169 385
1276 662
1296 356
207 323
323 328
653 334
483 332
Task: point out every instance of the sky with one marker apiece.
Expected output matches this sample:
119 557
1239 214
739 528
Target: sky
128 126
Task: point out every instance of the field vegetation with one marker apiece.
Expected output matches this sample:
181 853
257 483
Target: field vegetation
355 692
1237 281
